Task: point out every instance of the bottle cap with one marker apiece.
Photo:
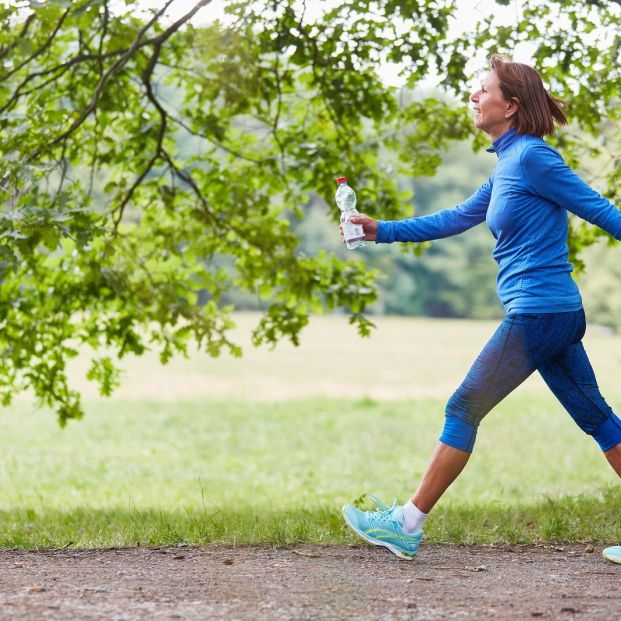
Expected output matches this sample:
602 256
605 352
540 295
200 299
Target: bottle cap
341 179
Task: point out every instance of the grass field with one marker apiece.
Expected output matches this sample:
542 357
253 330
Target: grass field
267 448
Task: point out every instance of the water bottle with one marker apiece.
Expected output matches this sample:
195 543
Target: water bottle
346 200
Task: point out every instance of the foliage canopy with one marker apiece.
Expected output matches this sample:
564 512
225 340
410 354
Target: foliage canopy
115 237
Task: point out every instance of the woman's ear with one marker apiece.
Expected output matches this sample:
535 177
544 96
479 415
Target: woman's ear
512 107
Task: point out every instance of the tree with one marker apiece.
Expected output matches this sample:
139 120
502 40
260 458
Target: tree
112 234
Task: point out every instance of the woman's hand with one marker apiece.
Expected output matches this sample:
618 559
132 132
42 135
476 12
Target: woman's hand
369 226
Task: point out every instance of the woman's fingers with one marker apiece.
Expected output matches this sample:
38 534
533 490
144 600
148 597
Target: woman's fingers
369 226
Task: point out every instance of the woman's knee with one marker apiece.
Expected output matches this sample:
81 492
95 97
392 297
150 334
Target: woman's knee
458 434
464 405
608 434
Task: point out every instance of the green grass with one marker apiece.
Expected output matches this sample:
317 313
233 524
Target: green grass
158 473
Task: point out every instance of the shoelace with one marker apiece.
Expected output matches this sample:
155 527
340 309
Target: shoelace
384 512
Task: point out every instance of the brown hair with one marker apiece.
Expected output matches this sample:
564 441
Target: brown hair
537 109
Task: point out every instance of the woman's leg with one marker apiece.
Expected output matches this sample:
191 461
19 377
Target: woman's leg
503 364
614 458
514 352
400 528
571 378
445 466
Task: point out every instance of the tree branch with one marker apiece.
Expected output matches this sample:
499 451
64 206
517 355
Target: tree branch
40 51
146 80
102 82
146 76
187 178
601 4
217 143
23 32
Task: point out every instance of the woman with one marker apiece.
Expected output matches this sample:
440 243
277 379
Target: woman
524 204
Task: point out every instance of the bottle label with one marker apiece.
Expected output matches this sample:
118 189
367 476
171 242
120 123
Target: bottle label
352 231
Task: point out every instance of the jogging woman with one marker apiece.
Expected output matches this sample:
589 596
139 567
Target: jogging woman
525 204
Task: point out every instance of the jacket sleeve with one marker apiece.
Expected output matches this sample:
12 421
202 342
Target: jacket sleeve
440 224
547 175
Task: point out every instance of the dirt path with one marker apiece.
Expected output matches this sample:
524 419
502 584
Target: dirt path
310 582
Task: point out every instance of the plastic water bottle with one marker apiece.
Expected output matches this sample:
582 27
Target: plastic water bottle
346 200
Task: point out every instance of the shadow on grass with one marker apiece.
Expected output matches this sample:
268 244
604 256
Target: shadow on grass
564 519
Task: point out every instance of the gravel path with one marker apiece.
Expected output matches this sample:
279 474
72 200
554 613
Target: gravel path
310 582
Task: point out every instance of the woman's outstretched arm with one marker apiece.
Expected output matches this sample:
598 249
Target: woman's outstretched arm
437 225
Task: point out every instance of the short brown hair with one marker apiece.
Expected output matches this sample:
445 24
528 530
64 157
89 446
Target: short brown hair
537 109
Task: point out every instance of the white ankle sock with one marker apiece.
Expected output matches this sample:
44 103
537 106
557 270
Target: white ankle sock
413 517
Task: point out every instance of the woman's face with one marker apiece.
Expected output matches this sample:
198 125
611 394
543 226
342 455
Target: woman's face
493 113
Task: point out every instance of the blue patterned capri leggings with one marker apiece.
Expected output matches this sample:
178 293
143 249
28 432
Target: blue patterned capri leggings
550 343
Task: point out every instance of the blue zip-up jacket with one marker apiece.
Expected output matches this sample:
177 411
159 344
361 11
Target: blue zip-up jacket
525 204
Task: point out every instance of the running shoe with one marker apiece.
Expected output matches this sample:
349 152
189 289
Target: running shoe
613 553
384 527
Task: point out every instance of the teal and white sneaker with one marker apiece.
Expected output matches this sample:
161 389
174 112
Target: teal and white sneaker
613 553
384 527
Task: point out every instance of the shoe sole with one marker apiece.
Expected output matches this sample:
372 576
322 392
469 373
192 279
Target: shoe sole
611 556
377 542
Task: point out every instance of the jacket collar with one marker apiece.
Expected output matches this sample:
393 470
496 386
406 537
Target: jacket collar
503 142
